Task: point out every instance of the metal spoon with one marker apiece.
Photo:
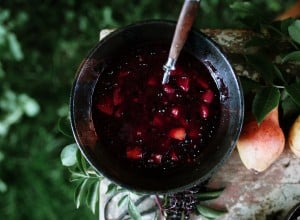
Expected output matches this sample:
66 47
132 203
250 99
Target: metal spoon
186 19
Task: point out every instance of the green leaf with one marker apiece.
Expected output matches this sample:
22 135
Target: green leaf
2 72
29 105
294 31
289 107
64 126
257 42
294 91
182 216
244 7
1 156
4 15
79 191
123 200
264 101
3 186
209 195
81 163
263 66
209 212
111 188
15 47
93 196
249 85
293 56
278 73
75 176
68 155
133 211
285 25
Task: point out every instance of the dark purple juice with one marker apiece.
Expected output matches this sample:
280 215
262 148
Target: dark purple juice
147 124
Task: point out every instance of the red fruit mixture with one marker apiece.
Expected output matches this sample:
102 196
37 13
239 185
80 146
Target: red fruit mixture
151 125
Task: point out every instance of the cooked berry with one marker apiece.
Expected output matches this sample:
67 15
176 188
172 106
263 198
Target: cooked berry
178 71
208 96
175 112
174 156
184 83
204 111
117 96
168 89
106 106
194 132
156 158
202 83
152 81
158 120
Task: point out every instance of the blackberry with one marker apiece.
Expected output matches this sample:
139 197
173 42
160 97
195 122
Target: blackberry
181 205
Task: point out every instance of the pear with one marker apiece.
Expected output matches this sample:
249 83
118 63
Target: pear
260 145
294 137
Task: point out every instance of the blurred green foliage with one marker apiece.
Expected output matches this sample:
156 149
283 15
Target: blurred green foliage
41 46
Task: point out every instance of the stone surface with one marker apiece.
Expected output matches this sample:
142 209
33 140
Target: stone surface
257 196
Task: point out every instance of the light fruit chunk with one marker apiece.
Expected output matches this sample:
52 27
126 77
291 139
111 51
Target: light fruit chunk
177 133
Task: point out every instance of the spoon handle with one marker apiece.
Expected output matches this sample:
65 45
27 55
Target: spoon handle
186 18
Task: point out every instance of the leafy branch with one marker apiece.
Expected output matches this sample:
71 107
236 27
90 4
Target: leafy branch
277 60
126 202
88 180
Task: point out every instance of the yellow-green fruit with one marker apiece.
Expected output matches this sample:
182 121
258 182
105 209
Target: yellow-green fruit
294 137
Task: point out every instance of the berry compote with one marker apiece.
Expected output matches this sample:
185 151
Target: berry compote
147 124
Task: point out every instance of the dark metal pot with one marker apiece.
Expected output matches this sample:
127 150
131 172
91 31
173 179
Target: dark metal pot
214 155
294 213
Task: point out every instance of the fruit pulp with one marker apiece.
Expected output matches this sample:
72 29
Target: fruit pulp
147 124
